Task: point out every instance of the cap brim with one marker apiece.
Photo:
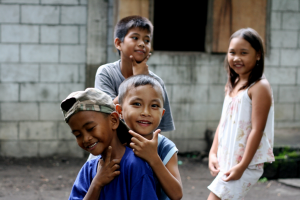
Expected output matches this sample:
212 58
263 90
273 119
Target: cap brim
123 134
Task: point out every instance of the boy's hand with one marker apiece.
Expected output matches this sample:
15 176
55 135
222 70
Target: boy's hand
140 68
107 170
144 148
213 165
235 173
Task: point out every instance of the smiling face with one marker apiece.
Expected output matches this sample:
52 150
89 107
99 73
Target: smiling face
242 56
94 131
142 109
136 43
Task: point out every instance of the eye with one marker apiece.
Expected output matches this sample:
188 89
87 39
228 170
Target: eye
77 136
155 106
90 129
243 53
147 41
231 52
136 104
134 37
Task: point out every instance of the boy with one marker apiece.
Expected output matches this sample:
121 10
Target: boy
94 122
132 40
141 99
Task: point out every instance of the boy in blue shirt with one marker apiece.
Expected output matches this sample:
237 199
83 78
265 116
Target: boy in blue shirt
141 99
117 173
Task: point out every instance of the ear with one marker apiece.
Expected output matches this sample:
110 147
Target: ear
163 112
119 110
118 44
258 55
114 120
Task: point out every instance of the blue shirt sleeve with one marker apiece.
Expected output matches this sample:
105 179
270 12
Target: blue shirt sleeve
144 189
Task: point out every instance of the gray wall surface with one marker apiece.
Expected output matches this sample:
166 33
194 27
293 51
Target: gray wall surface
43 58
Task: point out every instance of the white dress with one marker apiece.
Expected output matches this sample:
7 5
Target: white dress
234 130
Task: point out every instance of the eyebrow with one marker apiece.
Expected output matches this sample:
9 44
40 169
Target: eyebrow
87 123
139 34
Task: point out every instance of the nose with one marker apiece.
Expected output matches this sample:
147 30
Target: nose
236 58
141 43
146 112
86 138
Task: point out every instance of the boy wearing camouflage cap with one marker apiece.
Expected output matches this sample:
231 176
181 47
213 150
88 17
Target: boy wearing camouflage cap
116 173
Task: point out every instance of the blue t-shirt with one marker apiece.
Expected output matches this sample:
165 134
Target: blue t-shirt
135 182
108 79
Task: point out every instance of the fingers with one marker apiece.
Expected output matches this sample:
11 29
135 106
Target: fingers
108 155
147 58
155 134
228 178
136 135
132 60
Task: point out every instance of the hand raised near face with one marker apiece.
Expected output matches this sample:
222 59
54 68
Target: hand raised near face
107 170
140 68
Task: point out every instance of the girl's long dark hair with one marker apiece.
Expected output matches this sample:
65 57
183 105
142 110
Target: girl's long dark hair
251 36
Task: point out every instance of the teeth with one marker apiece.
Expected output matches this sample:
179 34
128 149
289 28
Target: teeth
144 122
92 145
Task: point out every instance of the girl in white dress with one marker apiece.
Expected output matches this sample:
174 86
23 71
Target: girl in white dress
244 137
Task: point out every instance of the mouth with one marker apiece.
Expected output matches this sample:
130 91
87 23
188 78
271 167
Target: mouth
90 147
238 65
144 123
140 51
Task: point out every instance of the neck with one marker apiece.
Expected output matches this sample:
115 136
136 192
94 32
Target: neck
117 150
126 67
149 136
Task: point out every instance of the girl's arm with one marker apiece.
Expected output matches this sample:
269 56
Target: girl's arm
261 97
168 175
213 163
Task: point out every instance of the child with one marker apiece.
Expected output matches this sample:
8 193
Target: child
133 41
141 101
244 137
119 174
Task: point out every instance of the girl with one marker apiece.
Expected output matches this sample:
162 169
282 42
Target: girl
244 137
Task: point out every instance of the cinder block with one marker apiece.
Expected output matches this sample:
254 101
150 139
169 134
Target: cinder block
59 73
72 53
198 111
190 145
289 94
63 2
180 111
297 115
50 111
112 54
291 21
275 90
19 149
272 58
19 33
21 1
9 92
216 93
9 13
276 20
81 74
174 74
284 39
9 53
281 76
189 93
66 88
64 131
216 60
39 53
207 75
19 111
38 130
290 124
8 130
69 148
82 37
214 111
284 111
39 92
19 72
83 2
189 130
285 5
298 77
213 125
290 57
59 34
73 14
40 14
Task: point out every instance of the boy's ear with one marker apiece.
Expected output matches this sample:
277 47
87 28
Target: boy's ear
119 110
114 119
118 44
163 112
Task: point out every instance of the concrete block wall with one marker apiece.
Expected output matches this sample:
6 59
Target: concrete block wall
42 60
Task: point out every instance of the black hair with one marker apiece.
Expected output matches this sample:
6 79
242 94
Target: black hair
251 36
135 81
134 21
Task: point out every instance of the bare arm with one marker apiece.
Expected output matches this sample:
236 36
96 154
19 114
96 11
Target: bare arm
168 175
261 103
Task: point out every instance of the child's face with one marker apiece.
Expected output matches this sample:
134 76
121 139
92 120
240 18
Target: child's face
242 56
93 130
136 43
142 109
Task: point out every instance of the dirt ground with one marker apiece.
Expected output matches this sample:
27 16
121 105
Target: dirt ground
52 178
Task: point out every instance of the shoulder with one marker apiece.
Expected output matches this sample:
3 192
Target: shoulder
107 68
135 164
166 148
261 89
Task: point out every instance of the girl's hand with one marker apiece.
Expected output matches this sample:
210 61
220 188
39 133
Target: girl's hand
140 68
213 165
107 170
144 148
235 173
